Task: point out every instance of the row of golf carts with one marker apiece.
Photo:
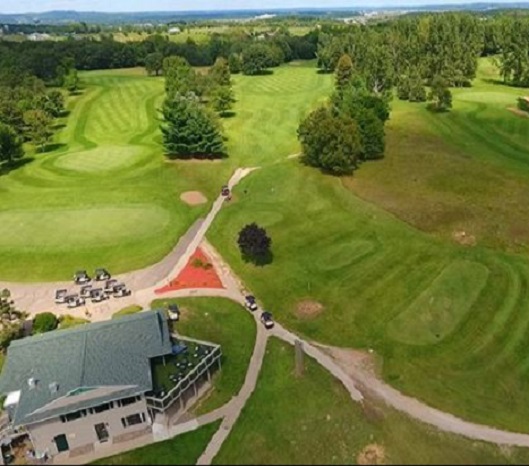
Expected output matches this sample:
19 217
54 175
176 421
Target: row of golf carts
95 294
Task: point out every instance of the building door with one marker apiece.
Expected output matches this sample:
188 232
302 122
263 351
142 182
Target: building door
102 432
61 442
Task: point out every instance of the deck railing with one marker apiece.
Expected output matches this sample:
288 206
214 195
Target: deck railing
163 403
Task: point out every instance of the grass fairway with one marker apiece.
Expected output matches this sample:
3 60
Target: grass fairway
312 420
223 322
184 449
449 320
105 196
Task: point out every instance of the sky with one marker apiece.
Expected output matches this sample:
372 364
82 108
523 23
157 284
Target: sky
24 6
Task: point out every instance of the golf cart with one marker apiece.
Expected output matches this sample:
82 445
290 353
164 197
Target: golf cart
225 191
109 286
120 290
74 301
101 275
250 303
85 291
60 296
81 277
267 320
97 295
173 312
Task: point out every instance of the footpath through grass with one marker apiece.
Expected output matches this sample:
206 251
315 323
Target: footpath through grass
184 449
223 322
449 320
312 420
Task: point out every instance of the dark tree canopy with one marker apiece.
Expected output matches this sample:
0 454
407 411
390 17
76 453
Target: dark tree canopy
254 243
10 145
344 72
330 142
154 63
45 322
189 130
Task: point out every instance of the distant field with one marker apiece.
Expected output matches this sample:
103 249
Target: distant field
449 319
323 426
105 196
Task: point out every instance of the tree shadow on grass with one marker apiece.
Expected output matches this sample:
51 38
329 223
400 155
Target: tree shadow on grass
52 147
495 81
229 114
320 71
6 168
259 261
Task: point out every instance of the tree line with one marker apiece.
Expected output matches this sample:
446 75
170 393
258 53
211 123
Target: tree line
28 110
43 59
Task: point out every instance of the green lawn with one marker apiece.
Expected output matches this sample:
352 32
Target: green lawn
105 196
312 420
132 309
450 321
223 322
184 449
68 321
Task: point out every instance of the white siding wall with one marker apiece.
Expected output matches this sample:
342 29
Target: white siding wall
81 432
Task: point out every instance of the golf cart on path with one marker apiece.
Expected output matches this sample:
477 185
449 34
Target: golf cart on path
120 290
60 296
81 277
102 275
74 301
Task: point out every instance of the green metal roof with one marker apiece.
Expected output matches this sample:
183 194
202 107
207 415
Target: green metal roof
114 353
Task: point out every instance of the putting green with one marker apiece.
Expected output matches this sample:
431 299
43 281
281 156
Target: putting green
439 308
102 159
97 225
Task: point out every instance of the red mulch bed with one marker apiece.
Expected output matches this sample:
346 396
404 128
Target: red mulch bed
198 273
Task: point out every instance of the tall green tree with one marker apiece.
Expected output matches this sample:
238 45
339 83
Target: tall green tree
53 103
220 73
440 96
10 145
254 243
71 81
38 124
189 130
222 99
330 142
180 78
343 72
154 63
234 62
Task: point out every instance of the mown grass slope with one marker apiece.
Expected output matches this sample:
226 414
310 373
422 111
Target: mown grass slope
450 320
105 196
324 426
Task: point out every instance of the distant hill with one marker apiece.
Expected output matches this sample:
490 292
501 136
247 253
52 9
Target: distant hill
94 17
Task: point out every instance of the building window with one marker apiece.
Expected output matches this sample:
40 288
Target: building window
128 401
133 419
103 407
73 416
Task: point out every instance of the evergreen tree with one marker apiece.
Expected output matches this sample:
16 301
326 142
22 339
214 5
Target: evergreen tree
343 72
234 62
220 73
189 130
222 99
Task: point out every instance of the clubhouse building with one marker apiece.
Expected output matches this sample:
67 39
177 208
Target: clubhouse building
73 390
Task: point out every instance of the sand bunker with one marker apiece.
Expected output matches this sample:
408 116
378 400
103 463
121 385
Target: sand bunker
193 198
371 454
